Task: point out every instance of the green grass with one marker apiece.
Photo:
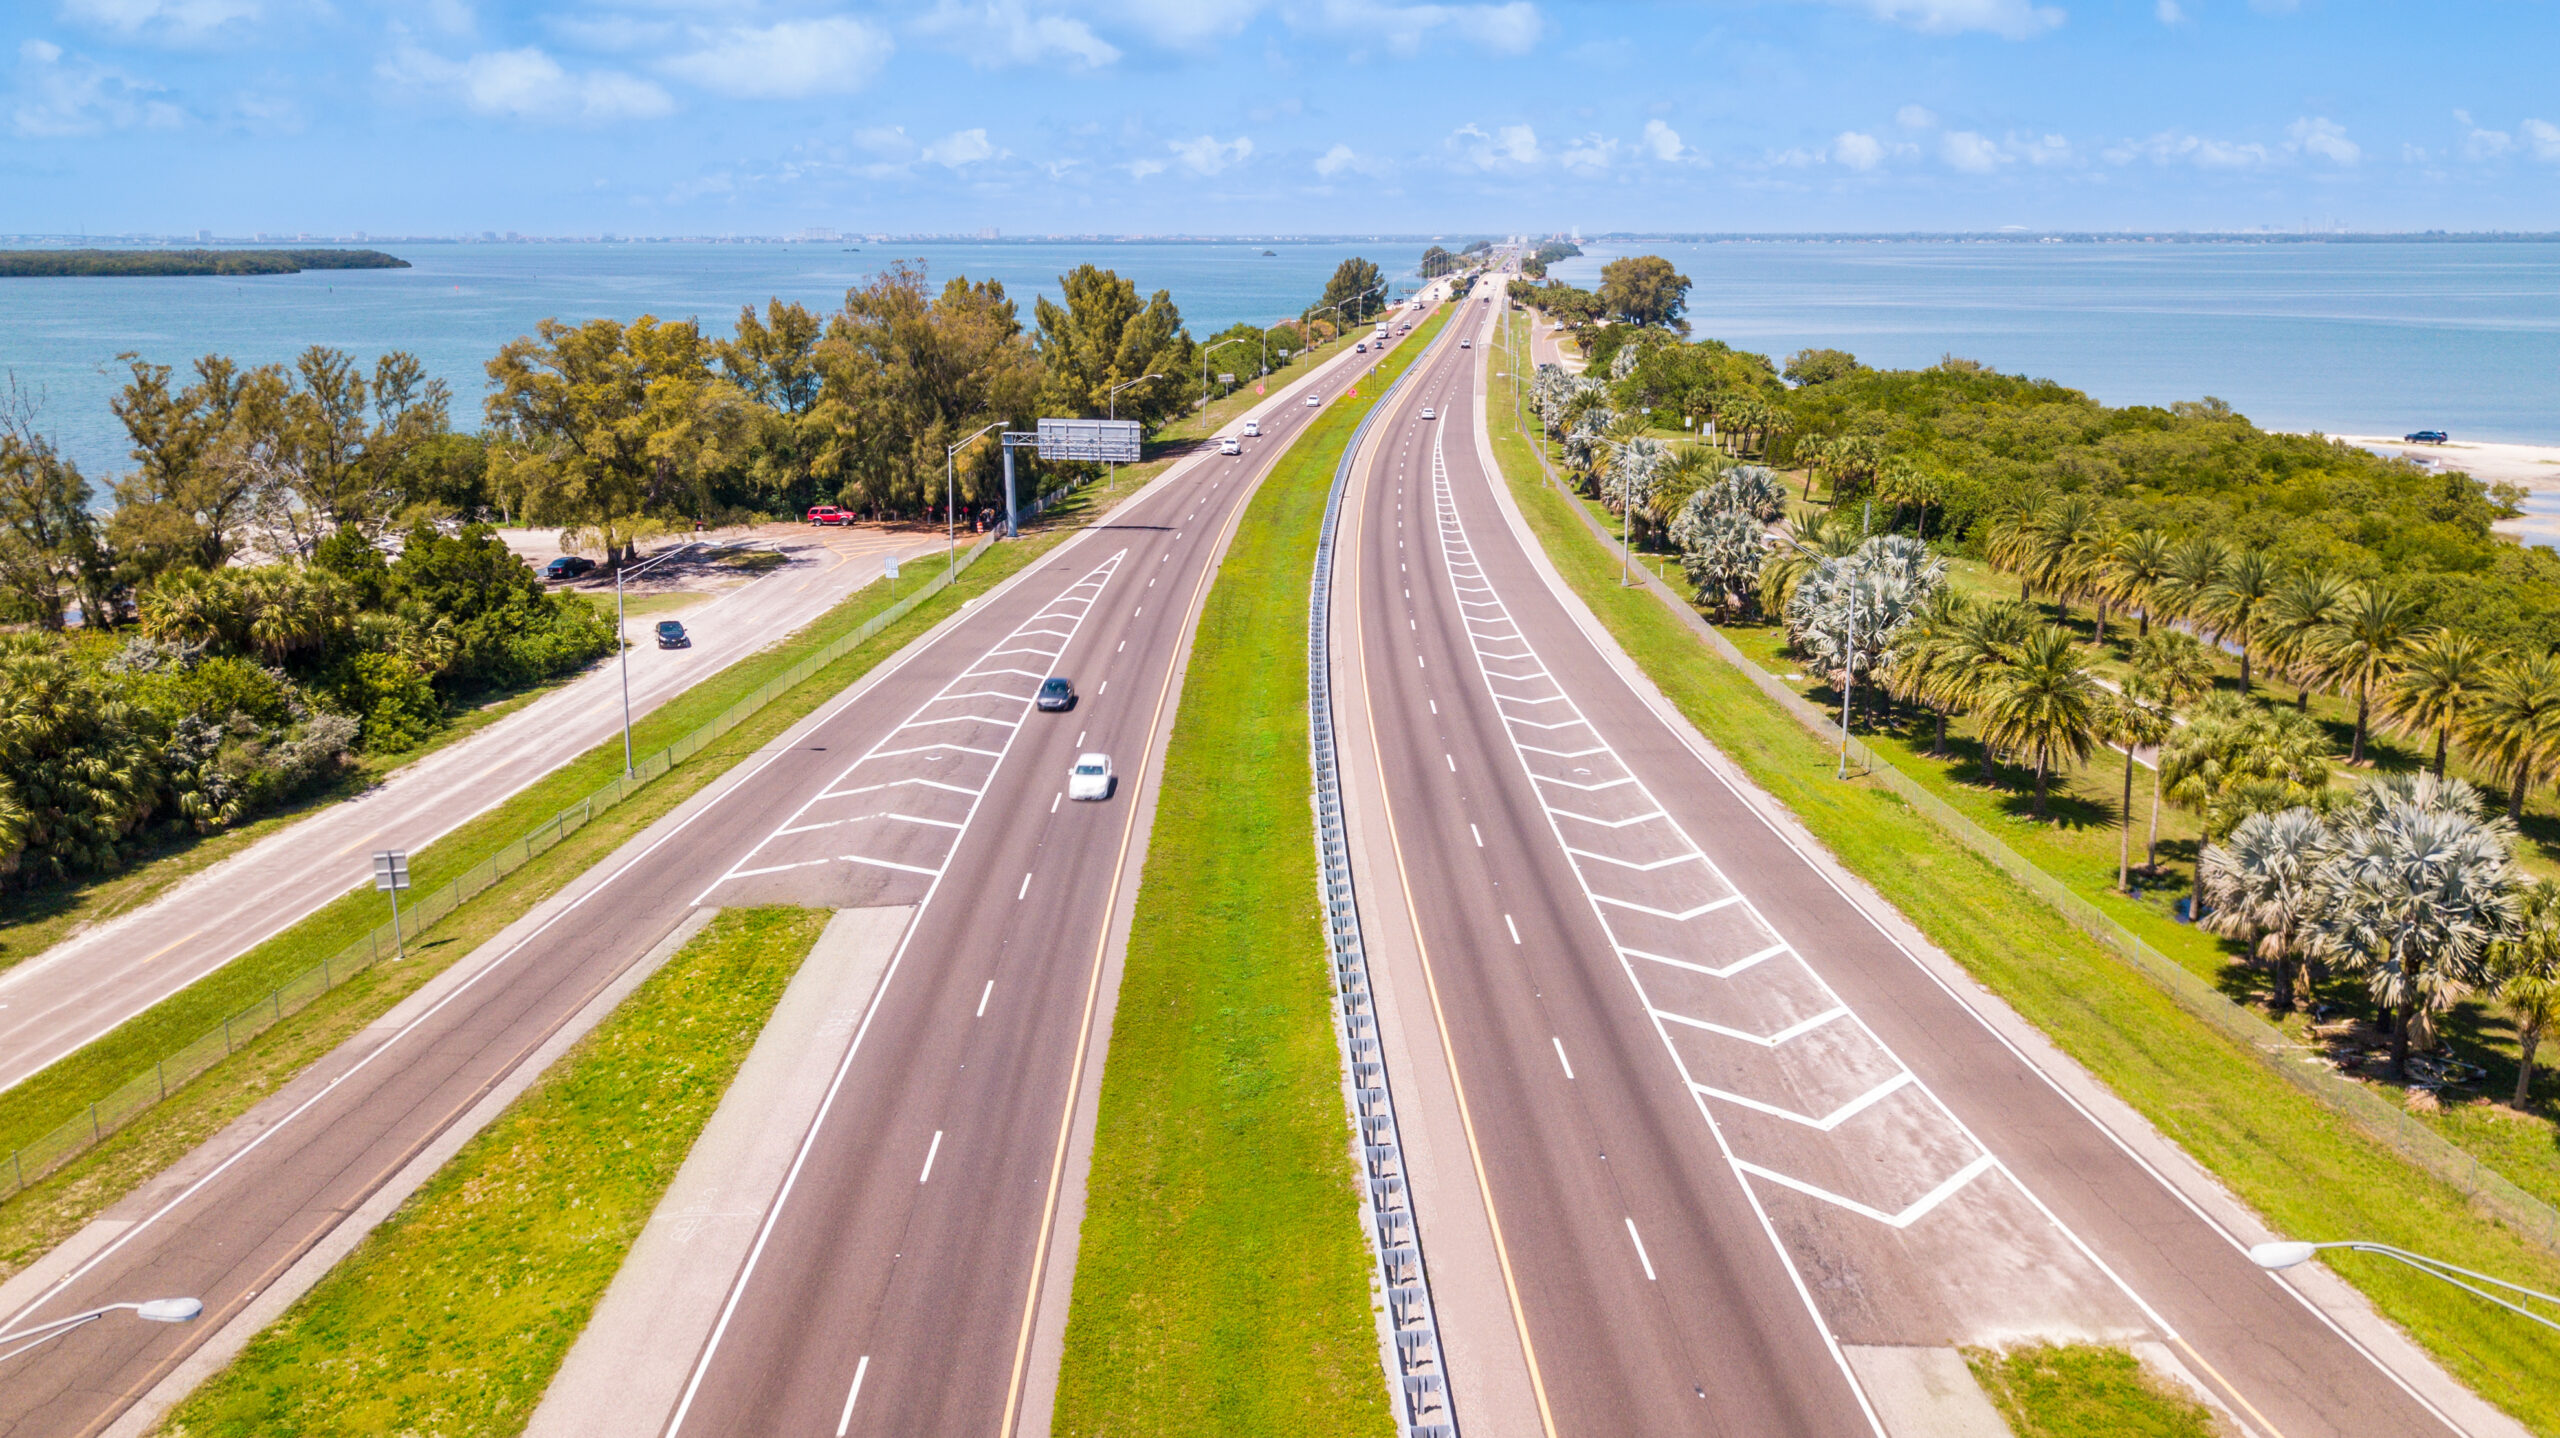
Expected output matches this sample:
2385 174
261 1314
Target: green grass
2305 1171
32 1221
1222 1269
635 606
2086 1391
452 1316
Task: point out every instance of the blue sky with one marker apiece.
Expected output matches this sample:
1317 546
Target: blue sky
1238 116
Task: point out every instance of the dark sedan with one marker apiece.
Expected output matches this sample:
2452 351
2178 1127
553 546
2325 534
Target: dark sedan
1057 694
567 566
671 635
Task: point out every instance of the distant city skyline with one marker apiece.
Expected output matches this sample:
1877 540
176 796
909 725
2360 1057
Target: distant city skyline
717 118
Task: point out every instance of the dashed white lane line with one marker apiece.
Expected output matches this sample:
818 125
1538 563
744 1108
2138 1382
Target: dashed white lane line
1641 1256
1560 1058
1054 798
983 995
1453 762
845 1421
1514 928
1025 889
929 1155
1479 833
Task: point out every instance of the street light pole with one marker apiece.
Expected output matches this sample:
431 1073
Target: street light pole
1204 370
1111 411
1848 666
157 1310
620 632
951 494
2285 1254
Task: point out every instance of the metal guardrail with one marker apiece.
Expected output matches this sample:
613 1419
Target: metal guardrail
1424 1404
2378 1119
136 1095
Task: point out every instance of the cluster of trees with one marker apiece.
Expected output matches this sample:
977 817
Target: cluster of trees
1534 264
27 263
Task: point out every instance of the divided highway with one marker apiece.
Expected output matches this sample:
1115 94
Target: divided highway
906 1247
1745 1153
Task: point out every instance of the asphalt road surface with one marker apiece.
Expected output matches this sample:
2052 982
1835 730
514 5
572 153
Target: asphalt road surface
55 1002
904 1248
1730 1127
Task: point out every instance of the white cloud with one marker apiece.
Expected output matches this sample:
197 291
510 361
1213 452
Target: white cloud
2543 138
1508 29
60 95
526 84
1972 153
2043 150
1858 151
1207 154
1006 32
1510 145
1342 157
1664 142
2326 139
960 147
2480 142
2168 148
1187 23
2011 19
1140 169
1915 117
794 58
889 142
1589 155
2170 12
173 22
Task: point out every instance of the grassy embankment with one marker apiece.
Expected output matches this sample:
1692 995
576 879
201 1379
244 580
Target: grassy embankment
2078 845
452 1316
2086 1391
33 1221
1222 1269
2307 1172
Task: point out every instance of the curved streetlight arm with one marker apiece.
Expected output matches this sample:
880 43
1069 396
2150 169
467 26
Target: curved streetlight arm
951 493
1204 367
157 1310
2287 1254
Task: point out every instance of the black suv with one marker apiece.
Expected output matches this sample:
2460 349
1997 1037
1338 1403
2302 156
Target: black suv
567 566
1057 694
2424 436
671 635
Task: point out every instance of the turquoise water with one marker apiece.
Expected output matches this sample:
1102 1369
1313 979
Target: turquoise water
2373 338
458 303
2350 339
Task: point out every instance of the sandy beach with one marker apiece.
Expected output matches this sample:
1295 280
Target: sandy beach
2535 467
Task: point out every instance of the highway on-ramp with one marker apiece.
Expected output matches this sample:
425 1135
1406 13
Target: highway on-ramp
1745 1152
906 1246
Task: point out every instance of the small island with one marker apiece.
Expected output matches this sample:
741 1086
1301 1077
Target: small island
19 264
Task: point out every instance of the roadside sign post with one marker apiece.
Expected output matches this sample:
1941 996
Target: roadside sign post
1014 439
1090 441
889 567
391 875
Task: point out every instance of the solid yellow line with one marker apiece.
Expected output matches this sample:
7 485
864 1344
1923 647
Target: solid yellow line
1439 1018
1101 951
2228 1387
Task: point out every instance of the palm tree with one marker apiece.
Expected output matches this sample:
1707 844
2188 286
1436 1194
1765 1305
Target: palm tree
2175 669
1985 640
1829 536
1924 656
2360 648
2515 726
2259 885
2411 896
2043 703
2524 971
2235 605
2298 613
2440 679
2195 567
2235 757
2133 568
2133 719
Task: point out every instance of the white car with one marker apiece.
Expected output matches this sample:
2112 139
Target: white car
1427 414
1229 444
1466 344
1253 429
1313 402
1090 778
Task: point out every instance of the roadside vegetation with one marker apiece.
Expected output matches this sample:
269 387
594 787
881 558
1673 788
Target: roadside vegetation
453 1315
2304 1169
53 1208
2087 1391
1221 1268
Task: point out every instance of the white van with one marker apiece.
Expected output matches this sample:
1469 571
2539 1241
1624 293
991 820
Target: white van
1253 429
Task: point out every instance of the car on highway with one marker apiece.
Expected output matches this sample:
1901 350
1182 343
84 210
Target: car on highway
671 635
1427 414
829 514
2426 436
1313 401
1360 348
1057 694
568 566
1466 344
1229 444
1091 778
1253 429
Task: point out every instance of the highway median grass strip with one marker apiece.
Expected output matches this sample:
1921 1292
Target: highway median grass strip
1222 1276
2307 1171
2086 1390
452 1317
51 1209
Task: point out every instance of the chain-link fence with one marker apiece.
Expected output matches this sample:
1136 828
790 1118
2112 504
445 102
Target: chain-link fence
2306 1070
122 1104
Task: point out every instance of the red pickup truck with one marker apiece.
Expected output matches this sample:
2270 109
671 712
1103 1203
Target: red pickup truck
829 514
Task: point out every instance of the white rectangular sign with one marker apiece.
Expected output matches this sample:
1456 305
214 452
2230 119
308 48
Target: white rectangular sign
1093 440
